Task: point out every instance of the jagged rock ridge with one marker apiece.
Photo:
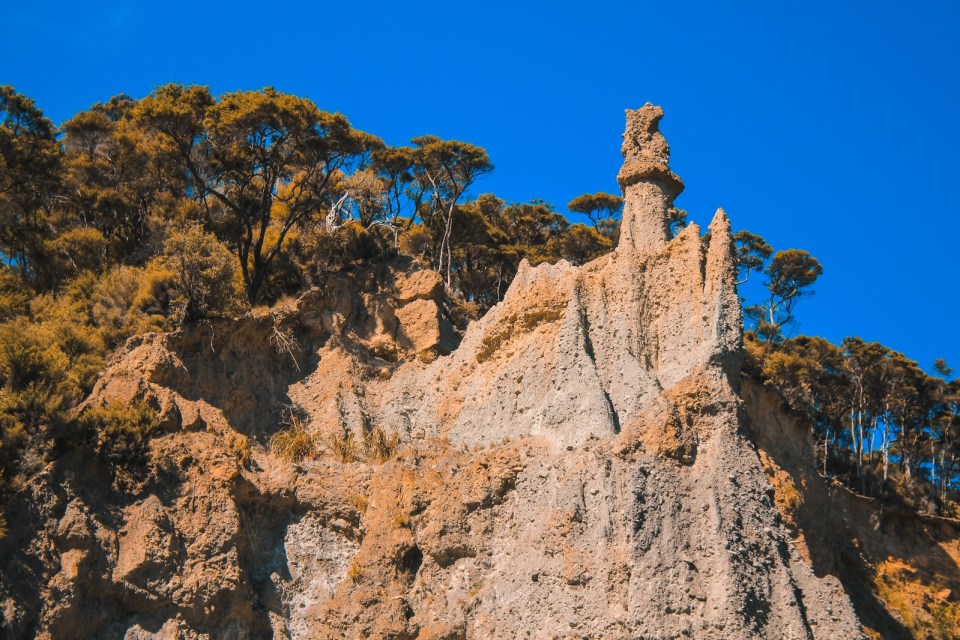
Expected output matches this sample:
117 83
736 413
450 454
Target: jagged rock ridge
576 467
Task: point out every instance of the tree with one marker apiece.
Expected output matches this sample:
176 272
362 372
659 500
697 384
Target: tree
942 368
111 178
789 275
908 397
581 244
394 168
29 176
442 172
492 237
261 163
947 426
867 368
752 253
597 206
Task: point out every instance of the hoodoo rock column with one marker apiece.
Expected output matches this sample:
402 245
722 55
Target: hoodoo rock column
649 187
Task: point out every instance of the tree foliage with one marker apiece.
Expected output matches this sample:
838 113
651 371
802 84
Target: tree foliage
29 174
260 163
597 206
789 276
752 253
202 276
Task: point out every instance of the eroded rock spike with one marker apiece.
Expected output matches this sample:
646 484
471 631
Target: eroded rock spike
649 187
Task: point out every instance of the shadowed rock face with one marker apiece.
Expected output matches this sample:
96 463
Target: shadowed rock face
576 467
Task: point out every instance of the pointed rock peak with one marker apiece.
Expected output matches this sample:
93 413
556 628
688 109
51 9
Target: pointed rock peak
720 223
692 230
721 259
721 238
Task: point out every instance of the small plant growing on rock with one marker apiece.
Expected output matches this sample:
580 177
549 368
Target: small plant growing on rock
123 429
294 443
360 503
240 445
343 447
378 446
355 572
284 342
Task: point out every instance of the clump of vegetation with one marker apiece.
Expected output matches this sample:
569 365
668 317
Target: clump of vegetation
355 572
924 615
378 446
944 620
241 446
295 443
123 430
375 446
343 447
360 503
204 282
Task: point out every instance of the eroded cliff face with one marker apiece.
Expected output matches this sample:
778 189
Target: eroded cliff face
899 567
576 468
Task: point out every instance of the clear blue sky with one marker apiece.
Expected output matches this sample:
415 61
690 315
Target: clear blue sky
827 126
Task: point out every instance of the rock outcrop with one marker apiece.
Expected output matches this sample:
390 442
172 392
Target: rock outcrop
576 468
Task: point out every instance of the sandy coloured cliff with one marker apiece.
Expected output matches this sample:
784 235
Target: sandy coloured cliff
576 467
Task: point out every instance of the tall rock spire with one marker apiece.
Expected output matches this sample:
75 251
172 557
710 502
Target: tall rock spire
649 186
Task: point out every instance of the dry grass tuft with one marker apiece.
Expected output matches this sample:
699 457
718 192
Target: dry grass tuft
378 446
294 443
343 447
241 447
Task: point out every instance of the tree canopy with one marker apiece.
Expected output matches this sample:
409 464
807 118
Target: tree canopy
260 163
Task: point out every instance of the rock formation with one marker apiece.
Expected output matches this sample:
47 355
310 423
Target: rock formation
576 468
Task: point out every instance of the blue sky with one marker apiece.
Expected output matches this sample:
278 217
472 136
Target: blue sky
827 126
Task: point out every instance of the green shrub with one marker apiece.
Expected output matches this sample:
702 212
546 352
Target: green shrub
123 430
204 282
113 300
77 250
